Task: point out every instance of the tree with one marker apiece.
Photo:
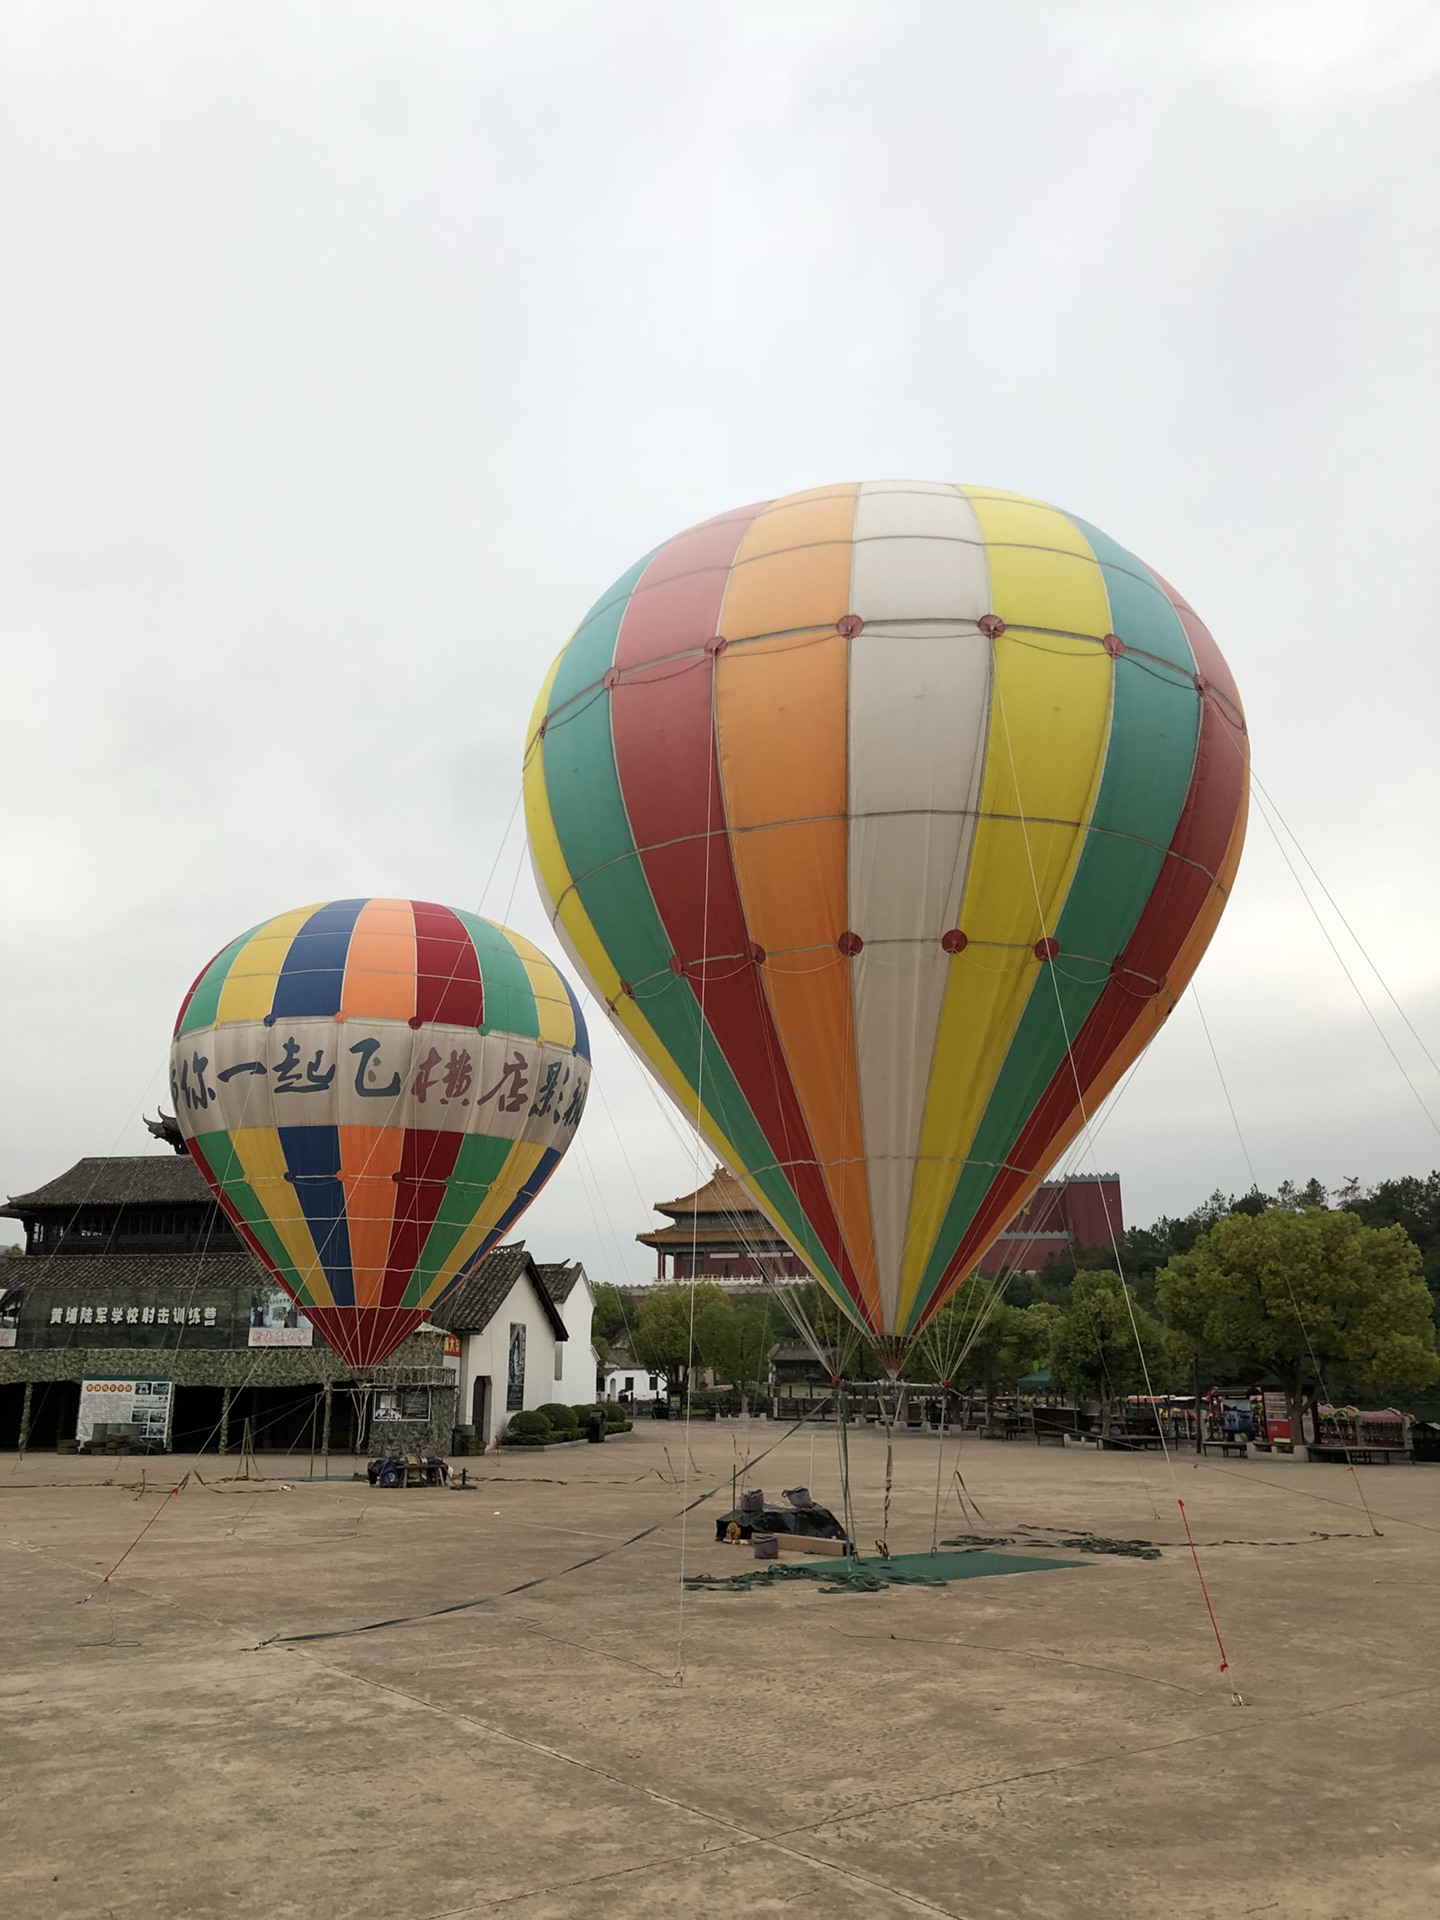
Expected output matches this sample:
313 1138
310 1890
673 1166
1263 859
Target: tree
737 1345
1414 1204
978 1340
1105 1346
810 1309
675 1328
1014 1341
1298 1199
611 1318
1317 1298
1253 1202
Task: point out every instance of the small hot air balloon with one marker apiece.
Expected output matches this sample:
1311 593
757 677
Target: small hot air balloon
375 1091
889 820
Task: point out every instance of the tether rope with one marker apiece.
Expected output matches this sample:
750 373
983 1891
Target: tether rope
524 1586
1110 1224
1296 1439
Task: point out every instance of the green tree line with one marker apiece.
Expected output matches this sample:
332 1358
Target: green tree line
1334 1300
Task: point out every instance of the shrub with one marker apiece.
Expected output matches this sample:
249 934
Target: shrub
536 1428
522 1424
615 1414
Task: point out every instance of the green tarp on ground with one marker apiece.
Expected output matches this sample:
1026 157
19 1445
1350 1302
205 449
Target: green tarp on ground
873 1575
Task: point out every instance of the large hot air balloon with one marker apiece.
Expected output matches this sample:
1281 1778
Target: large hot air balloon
889 820
376 1090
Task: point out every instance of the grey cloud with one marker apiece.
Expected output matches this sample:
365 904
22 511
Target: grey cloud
347 352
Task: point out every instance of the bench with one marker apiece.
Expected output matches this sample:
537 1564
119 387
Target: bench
1362 1456
1226 1447
1130 1442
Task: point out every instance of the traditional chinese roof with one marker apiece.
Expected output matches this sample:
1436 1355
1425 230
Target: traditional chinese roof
167 1273
476 1301
155 1179
722 1193
559 1277
754 1235
167 1128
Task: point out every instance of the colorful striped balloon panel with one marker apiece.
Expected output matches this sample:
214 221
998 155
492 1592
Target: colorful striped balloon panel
889 820
376 1090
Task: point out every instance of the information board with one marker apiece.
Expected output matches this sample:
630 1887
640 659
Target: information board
144 1404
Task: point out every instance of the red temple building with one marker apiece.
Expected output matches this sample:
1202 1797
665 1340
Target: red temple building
1083 1211
718 1233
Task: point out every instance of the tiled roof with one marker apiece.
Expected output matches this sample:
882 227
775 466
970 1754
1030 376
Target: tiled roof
756 1233
722 1193
84 1273
476 1301
163 1179
558 1278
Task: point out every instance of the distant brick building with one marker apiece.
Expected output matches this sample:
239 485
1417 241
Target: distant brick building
718 1233
1063 1215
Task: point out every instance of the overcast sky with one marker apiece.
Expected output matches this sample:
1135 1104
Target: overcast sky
348 351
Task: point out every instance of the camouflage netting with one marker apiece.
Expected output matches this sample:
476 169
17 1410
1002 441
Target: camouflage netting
1077 1543
874 1575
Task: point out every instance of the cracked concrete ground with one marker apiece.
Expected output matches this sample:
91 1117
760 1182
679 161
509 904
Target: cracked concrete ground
1056 1744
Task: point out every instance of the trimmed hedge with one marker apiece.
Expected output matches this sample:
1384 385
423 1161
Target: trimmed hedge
534 1428
560 1417
521 1424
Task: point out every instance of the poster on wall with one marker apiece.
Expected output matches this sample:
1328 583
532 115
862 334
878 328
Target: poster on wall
1237 1417
515 1376
139 1403
9 1320
276 1321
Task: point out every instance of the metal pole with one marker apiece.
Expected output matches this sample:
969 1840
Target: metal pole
844 1438
25 1414
325 1428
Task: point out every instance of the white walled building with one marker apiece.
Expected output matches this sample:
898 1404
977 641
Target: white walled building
513 1337
576 1362
626 1379
508 1328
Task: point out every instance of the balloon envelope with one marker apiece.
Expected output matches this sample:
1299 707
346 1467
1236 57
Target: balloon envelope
889 820
375 1091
